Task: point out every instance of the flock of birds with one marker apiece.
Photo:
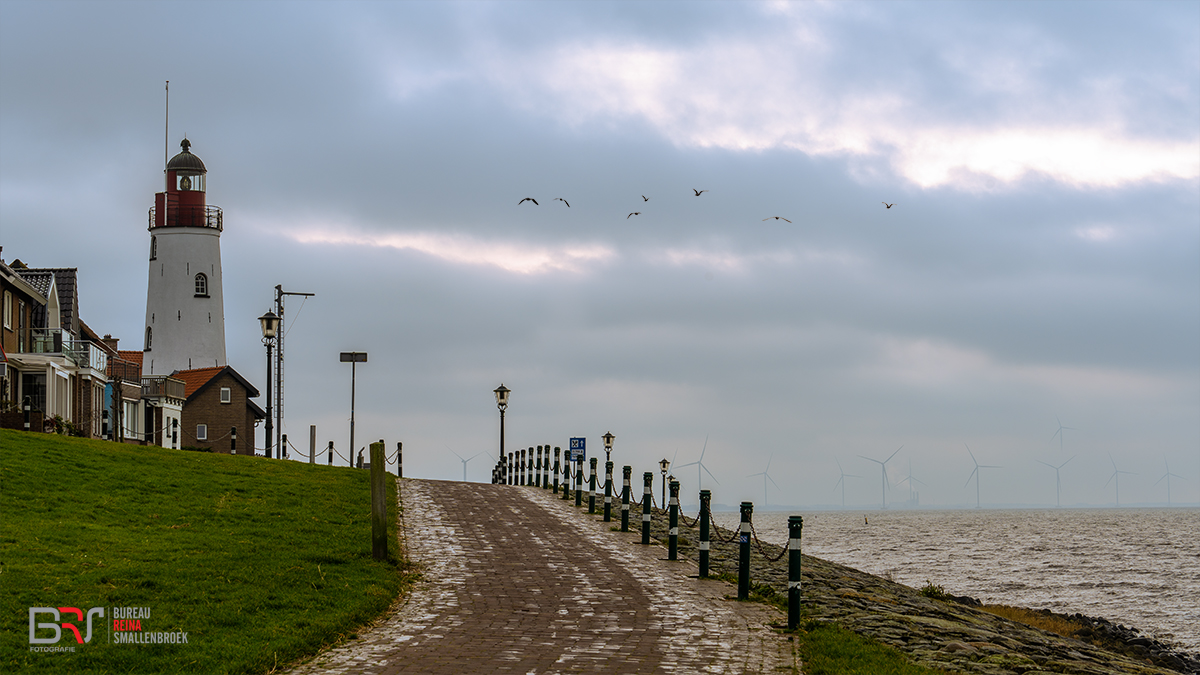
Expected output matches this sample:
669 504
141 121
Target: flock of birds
646 199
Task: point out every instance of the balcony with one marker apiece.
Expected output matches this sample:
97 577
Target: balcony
82 353
120 370
189 216
162 385
86 355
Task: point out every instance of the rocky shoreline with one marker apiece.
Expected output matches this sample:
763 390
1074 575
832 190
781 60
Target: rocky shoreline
944 632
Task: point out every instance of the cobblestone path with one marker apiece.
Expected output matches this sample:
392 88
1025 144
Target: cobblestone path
517 581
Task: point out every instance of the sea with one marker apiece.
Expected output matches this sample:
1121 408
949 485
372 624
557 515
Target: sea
1137 567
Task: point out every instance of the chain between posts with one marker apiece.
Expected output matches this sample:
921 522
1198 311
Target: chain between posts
762 551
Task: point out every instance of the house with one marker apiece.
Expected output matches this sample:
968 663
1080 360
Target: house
217 410
45 359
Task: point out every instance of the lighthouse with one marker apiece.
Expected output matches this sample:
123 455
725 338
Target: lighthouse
185 307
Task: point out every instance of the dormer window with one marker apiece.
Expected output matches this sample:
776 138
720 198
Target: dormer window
201 285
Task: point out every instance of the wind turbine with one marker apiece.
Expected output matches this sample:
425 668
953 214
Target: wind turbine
1116 475
842 480
1167 477
1057 481
976 473
464 461
883 481
910 479
1060 434
699 464
766 478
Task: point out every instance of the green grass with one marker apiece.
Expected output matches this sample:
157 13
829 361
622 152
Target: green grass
829 649
260 562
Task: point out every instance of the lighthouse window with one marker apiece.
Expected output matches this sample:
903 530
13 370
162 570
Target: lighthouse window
149 334
153 248
201 285
192 183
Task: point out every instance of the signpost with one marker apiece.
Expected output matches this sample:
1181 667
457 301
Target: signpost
578 450
353 358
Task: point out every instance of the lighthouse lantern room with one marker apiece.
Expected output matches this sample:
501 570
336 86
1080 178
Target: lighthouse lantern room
185 315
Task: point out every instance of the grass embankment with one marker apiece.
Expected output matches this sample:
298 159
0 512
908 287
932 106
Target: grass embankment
260 562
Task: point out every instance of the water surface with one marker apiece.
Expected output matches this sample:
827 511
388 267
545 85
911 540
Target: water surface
1139 567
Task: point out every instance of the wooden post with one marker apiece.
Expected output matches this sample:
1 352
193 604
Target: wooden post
378 503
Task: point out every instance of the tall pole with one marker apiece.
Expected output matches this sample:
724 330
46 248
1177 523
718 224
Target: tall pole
269 438
353 380
502 436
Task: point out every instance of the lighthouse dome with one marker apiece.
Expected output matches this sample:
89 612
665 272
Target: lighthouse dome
185 161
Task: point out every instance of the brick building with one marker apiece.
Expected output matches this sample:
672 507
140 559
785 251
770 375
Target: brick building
216 402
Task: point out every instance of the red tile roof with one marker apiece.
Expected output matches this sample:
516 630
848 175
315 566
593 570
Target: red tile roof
133 355
196 378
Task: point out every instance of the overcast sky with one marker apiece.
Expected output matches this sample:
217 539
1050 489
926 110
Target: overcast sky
1041 262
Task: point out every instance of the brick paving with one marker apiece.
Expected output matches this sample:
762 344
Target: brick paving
518 581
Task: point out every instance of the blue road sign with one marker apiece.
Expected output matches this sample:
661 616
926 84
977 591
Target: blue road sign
578 450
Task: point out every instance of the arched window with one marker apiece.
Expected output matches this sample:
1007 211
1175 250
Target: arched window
201 285
149 335
153 248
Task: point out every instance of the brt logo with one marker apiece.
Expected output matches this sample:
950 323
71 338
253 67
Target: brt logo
55 626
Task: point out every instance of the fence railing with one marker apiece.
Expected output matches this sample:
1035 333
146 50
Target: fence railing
163 385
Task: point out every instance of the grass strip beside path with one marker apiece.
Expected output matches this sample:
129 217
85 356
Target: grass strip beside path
260 562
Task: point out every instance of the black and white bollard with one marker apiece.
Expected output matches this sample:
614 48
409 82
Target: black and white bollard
705 505
546 470
233 440
592 486
566 492
744 553
557 450
28 405
648 479
283 446
608 466
626 472
399 459
673 523
537 473
330 453
175 433
579 482
795 528
512 468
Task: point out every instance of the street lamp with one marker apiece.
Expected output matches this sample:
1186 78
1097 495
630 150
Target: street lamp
663 465
353 358
501 393
270 326
608 439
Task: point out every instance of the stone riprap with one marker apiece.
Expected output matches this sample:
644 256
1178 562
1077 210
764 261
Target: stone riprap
935 633
516 581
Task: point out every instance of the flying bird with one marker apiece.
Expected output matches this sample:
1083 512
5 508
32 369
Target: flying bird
528 199
699 192
635 213
645 198
559 199
888 205
777 218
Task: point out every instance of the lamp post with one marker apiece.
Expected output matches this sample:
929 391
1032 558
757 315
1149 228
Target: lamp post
353 358
270 326
501 393
663 465
608 439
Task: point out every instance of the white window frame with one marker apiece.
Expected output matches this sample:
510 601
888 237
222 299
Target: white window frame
226 395
201 280
8 310
202 432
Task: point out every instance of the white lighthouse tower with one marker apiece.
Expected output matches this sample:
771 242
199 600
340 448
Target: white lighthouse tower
185 308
